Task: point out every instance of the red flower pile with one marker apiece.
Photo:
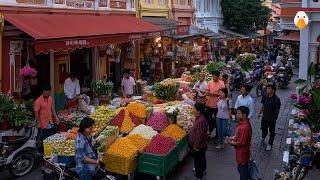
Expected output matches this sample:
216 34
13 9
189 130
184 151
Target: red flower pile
117 121
161 145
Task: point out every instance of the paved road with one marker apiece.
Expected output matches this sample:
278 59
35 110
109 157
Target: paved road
221 164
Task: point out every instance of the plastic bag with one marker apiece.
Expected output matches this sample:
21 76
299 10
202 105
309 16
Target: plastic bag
254 171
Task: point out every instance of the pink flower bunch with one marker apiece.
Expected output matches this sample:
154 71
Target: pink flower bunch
28 71
305 112
293 95
305 99
158 121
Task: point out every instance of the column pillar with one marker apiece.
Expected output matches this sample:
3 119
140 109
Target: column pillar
1 35
52 73
304 55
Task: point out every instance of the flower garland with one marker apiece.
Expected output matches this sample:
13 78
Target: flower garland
27 71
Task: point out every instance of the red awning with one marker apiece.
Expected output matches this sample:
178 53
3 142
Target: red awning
70 31
292 36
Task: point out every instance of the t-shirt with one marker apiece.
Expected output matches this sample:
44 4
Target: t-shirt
213 87
245 101
202 86
43 107
271 107
223 108
128 85
71 88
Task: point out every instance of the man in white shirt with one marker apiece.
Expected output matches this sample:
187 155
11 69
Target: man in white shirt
245 100
200 87
127 85
72 87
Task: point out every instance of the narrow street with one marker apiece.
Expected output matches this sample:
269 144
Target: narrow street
221 163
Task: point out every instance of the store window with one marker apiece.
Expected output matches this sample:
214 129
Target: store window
162 2
183 2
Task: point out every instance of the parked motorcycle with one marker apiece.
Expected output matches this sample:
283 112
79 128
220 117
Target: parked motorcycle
60 171
18 153
289 67
236 79
256 74
268 78
282 79
304 163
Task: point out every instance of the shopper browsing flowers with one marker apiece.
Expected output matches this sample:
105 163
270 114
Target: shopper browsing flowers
223 116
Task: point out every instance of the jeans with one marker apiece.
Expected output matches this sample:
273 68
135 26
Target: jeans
85 175
200 162
222 127
244 171
268 125
212 121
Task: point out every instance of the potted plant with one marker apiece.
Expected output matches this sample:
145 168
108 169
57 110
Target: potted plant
13 115
102 88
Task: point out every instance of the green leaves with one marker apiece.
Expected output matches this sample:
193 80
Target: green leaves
240 15
246 61
101 87
312 69
14 114
316 97
215 66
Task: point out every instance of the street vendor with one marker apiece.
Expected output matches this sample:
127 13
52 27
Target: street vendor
200 88
127 85
45 115
86 157
72 89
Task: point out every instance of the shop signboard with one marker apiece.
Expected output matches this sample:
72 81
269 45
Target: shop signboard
77 42
143 35
77 3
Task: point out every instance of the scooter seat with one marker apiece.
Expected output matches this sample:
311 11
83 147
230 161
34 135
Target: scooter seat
16 141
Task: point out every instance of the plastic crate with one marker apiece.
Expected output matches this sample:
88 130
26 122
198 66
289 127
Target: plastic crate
120 165
180 145
157 165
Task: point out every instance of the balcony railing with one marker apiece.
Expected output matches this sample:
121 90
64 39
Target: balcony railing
76 4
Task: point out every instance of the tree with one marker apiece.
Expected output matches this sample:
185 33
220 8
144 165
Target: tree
244 15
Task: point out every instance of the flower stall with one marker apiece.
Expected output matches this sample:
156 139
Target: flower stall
304 125
137 134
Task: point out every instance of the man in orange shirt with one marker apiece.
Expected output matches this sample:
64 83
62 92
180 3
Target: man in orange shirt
213 88
45 115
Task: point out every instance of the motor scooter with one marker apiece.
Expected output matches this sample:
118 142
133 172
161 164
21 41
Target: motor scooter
282 79
18 153
52 170
236 79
